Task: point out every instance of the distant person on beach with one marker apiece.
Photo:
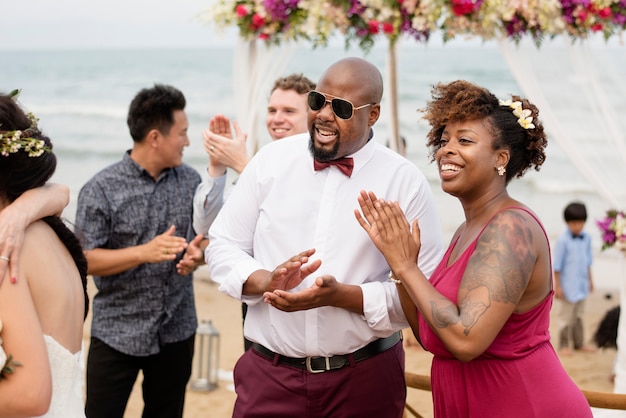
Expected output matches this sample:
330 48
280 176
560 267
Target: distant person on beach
323 318
136 220
286 116
43 298
485 312
572 278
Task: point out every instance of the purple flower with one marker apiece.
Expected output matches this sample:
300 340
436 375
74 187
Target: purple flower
609 226
619 19
280 9
515 27
356 9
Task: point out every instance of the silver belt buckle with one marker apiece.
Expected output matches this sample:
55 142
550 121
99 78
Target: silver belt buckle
310 370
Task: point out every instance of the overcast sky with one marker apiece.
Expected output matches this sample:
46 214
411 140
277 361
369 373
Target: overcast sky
80 24
84 24
128 24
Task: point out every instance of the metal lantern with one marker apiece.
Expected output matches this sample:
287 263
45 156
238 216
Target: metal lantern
205 374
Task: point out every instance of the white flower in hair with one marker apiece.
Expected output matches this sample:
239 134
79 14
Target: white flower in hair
525 119
526 122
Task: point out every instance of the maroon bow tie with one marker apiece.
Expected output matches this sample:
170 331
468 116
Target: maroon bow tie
345 165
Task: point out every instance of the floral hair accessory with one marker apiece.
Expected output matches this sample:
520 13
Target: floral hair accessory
613 230
525 119
14 141
7 365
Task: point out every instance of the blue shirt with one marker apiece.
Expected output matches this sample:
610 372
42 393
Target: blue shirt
138 310
572 259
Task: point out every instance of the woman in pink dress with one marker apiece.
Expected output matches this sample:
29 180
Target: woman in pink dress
485 312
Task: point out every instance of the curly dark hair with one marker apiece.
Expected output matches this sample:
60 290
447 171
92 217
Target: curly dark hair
462 101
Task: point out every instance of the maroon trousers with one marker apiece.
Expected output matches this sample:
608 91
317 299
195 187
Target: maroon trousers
374 387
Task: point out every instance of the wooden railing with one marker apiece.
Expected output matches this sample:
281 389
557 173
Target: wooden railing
601 400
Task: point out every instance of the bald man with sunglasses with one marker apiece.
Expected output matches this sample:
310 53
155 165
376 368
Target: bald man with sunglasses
323 316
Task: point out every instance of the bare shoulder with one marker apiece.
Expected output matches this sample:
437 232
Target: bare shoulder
39 239
44 255
55 285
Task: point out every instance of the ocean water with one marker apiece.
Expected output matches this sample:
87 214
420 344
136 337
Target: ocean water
82 97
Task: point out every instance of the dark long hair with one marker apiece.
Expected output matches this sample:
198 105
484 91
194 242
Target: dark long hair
20 172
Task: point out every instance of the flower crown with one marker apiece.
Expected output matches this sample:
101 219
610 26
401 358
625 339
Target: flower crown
525 119
16 140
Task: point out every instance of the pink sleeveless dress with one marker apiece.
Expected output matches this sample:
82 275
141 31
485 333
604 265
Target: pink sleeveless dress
519 375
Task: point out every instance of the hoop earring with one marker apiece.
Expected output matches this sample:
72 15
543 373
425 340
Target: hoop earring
501 170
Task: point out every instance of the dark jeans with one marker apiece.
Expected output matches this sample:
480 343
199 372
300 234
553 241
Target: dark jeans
112 374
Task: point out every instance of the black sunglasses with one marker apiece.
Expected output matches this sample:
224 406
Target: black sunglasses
342 107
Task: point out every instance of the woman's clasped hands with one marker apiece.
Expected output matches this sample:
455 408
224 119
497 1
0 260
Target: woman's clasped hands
389 230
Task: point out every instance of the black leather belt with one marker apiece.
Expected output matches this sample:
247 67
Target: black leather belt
322 364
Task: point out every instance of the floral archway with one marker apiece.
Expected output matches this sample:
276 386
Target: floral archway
274 23
362 21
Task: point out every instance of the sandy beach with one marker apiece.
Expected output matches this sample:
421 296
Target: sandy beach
591 371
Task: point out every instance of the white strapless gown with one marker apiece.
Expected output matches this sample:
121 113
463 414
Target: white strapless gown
67 381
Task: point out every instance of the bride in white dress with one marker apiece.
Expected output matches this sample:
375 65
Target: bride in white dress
67 381
43 300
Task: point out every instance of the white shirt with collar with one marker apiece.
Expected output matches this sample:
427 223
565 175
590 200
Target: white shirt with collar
281 206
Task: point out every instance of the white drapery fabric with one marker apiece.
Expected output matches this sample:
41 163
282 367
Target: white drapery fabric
580 89
255 67
392 88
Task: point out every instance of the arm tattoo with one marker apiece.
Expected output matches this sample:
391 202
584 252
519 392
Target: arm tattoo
498 271
471 308
444 316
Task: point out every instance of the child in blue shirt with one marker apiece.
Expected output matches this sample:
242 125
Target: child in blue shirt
572 277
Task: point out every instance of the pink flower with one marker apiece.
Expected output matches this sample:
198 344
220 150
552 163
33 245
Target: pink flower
373 26
464 7
257 21
604 13
241 10
387 28
597 27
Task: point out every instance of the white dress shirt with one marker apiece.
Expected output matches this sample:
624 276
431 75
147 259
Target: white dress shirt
281 206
